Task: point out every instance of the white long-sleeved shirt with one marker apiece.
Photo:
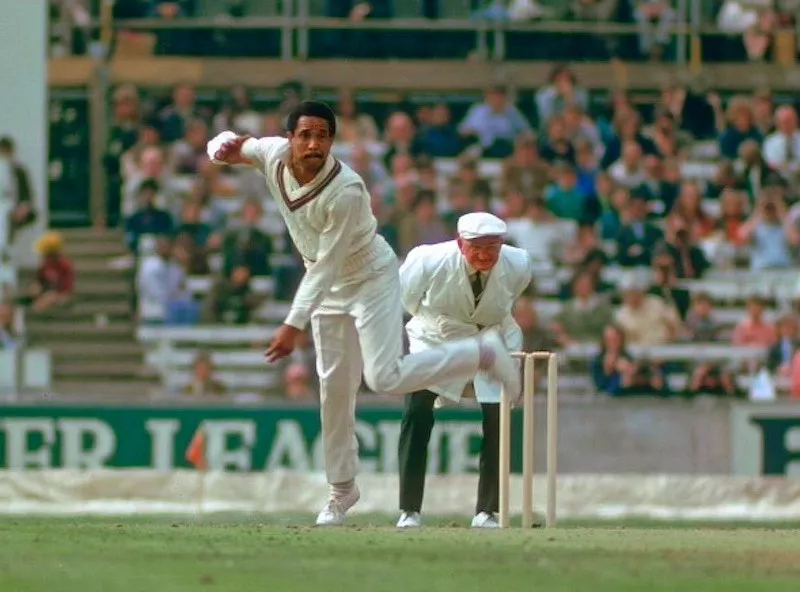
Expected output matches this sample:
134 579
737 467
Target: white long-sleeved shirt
160 280
329 219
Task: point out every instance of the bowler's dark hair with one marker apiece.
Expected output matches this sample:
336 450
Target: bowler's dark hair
311 109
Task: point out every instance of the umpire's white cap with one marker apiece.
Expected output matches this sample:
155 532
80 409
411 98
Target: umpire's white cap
480 224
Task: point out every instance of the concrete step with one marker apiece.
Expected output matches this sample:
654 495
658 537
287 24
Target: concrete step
93 267
100 369
125 350
114 309
94 251
105 390
92 235
42 332
108 285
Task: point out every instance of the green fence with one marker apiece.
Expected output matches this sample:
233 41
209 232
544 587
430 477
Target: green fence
238 439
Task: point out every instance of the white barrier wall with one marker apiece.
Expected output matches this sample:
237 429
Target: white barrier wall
285 492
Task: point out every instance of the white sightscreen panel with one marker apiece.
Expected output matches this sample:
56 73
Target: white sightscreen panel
23 79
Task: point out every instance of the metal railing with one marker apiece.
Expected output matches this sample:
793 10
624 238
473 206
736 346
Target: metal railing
296 24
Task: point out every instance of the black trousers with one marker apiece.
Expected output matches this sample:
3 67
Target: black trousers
415 433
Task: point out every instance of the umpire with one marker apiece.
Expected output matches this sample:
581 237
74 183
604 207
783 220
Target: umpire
454 290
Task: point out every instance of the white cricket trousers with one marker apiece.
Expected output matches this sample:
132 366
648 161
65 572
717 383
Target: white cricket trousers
358 330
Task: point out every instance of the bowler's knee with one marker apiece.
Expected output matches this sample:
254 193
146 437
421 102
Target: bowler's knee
382 381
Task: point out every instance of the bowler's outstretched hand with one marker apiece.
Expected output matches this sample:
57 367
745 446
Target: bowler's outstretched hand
230 152
283 343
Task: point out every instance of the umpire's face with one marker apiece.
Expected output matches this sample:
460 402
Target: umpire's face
481 253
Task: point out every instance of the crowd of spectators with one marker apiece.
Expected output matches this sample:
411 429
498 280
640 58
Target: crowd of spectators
598 195
748 30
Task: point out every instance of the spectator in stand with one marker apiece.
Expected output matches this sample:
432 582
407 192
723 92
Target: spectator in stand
535 335
148 219
370 168
231 299
352 126
691 112
495 124
54 285
686 259
645 319
423 227
603 190
628 126
586 243
752 169
566 200
700 326
741 126
428 177
655 19
148 136
759 39
238 115
203 382
191 225
689 208
297 383
638 237
401 138
187 154
763 107
562 91
661 194
9 335
556 146
711 379
122 136
726 178
539 232
587 167
629 170
769 240
15 189
754 329
151 166
440 138
580 128
585 316
782 352
782 148
670 142
733 207
613 365
161 288
665 284
175 118
247 244
613 216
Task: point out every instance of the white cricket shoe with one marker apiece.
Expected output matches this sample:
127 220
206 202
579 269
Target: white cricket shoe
409 520
502 367
336 509
485 520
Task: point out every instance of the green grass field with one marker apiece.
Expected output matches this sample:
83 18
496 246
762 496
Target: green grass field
243 554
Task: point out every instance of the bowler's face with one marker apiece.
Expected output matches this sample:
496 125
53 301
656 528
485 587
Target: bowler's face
311 142
481 253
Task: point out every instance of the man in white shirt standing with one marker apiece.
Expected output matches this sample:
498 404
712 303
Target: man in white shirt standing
350 292
782 149
453 290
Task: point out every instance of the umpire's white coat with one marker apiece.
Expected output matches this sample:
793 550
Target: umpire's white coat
438 295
